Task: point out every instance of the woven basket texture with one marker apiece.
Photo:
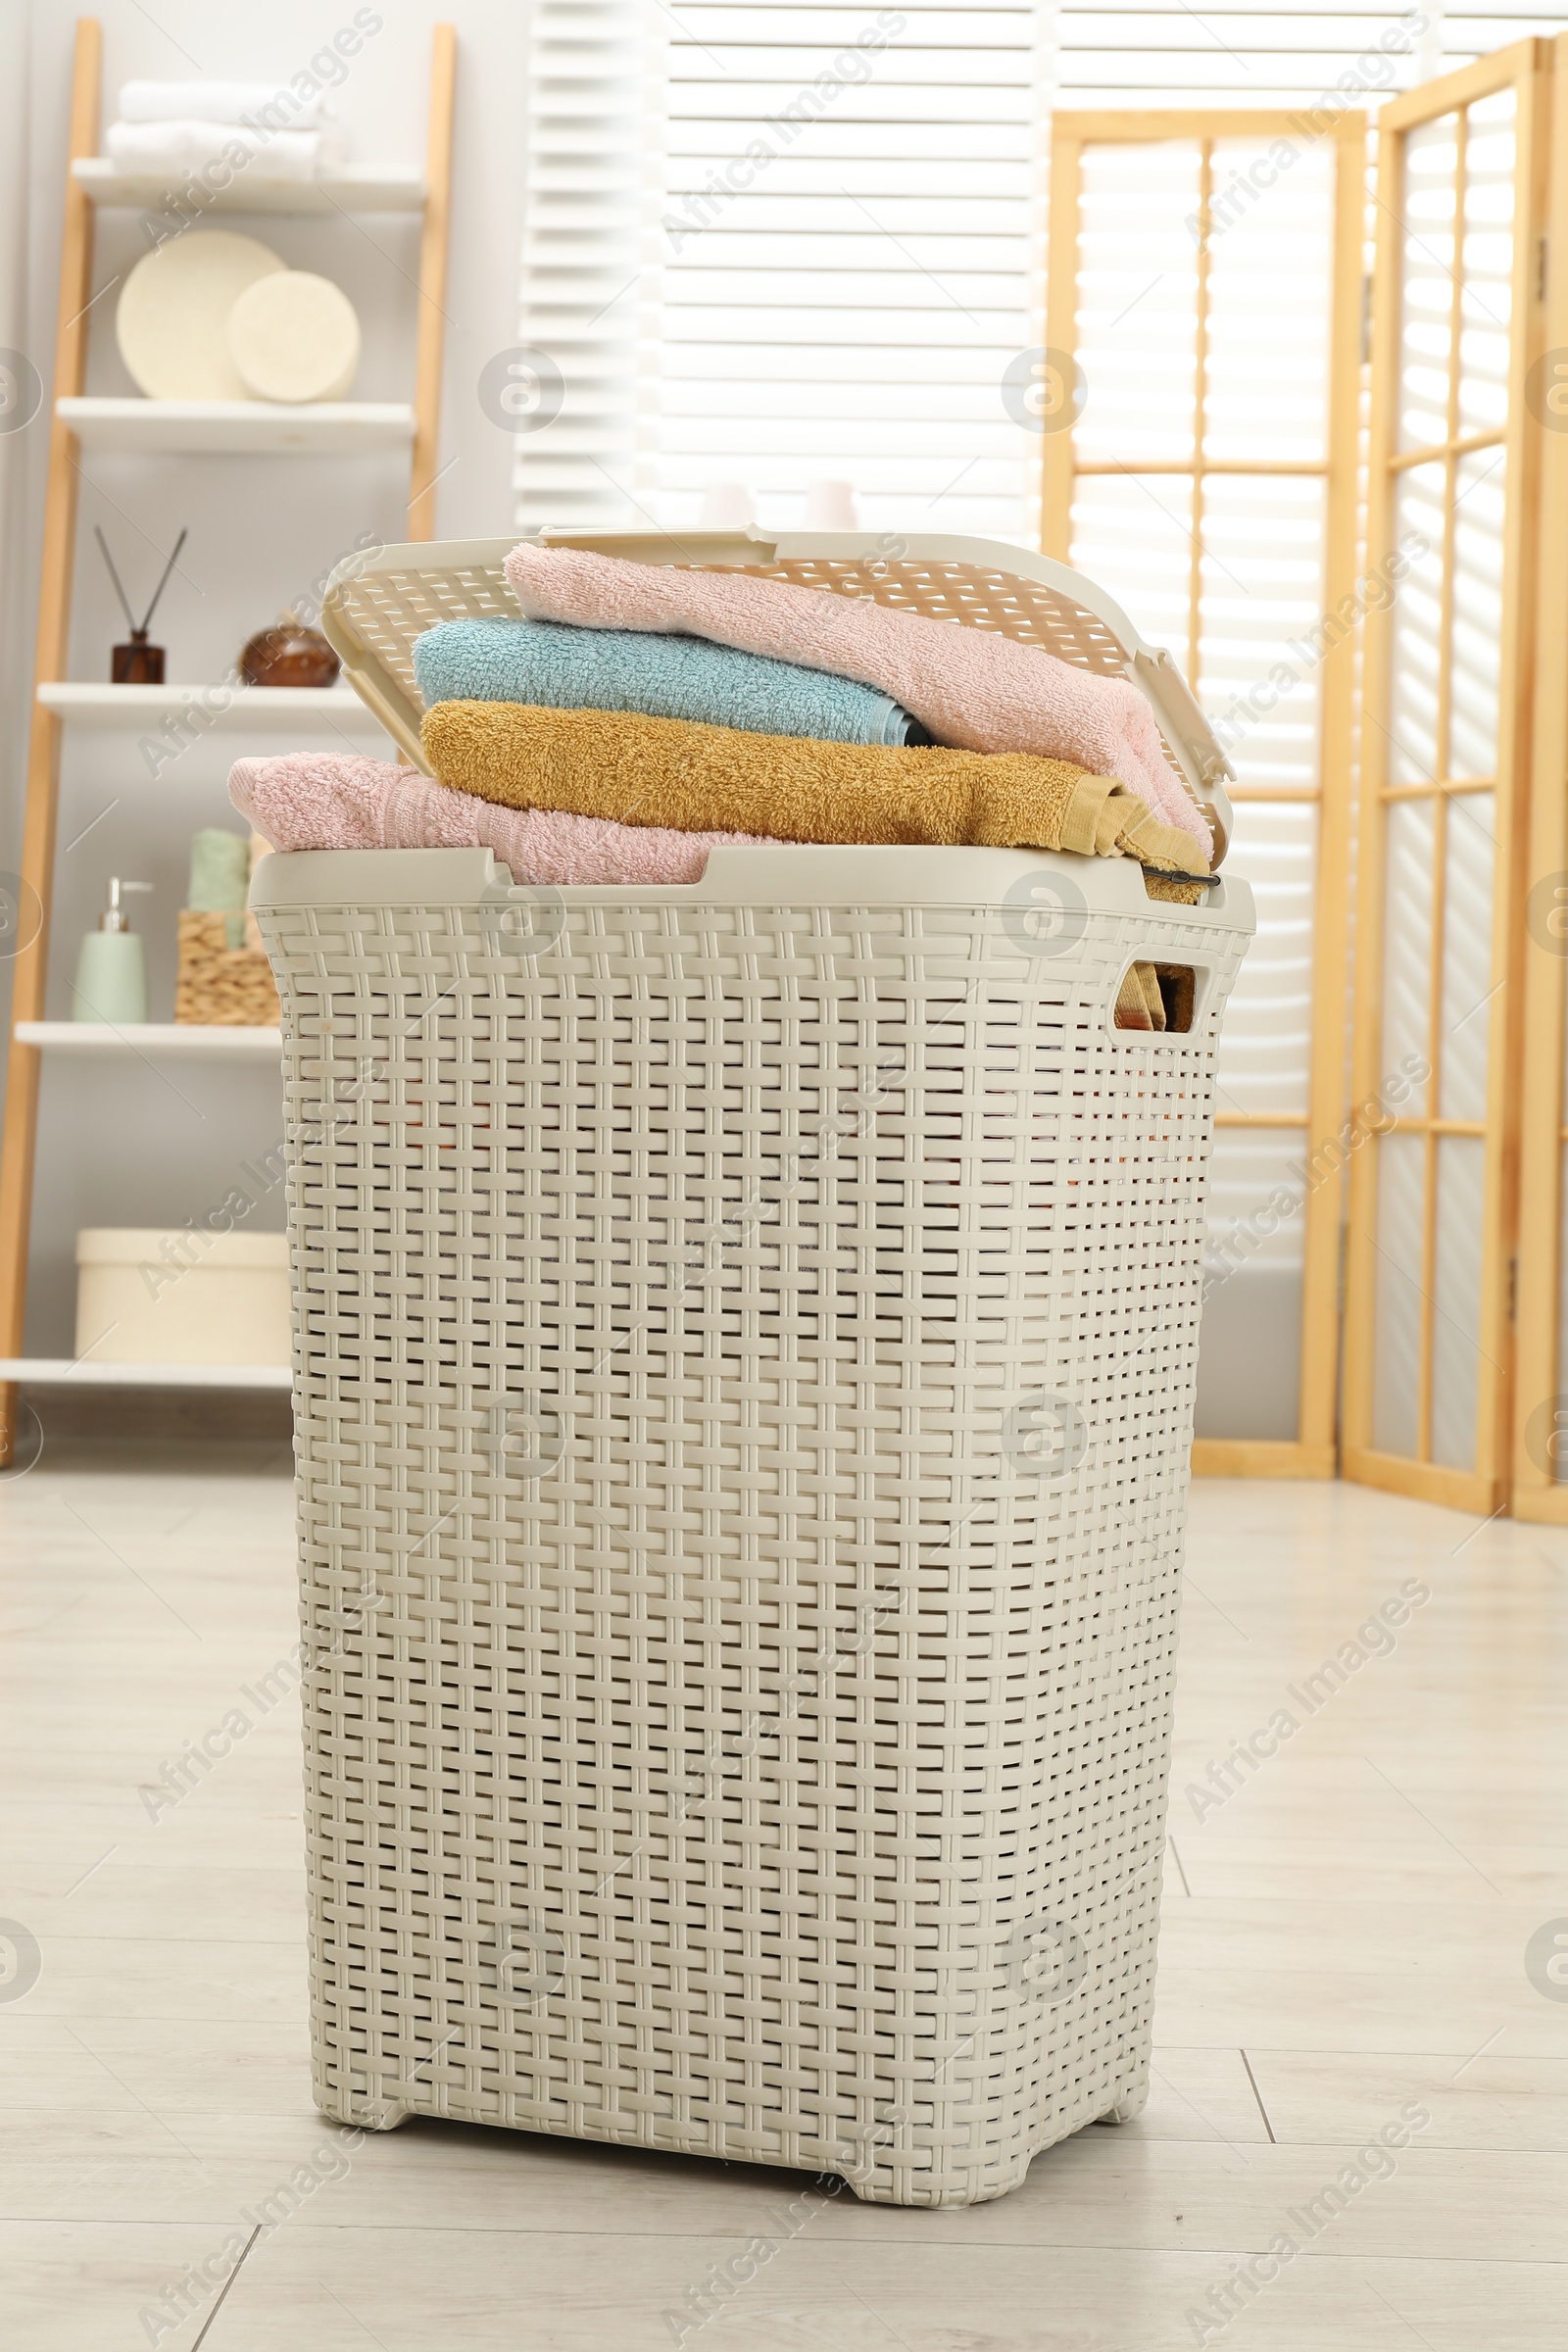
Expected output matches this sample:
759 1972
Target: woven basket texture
744 1384
219 986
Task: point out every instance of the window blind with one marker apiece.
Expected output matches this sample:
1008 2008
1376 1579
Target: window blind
772 242
594 108
1123 54
1126 53
839 257
849 310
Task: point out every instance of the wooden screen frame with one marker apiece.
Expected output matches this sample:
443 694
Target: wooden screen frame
1543 1133
1311 1453
1526 68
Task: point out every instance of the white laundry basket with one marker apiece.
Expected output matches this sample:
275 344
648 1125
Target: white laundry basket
745 1338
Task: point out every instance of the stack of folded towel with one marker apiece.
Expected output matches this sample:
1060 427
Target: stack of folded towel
169 129
635 714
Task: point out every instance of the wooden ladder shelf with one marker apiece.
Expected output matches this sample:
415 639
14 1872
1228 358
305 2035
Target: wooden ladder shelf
18 1147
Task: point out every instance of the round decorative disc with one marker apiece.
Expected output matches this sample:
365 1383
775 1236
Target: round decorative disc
294 336
172 318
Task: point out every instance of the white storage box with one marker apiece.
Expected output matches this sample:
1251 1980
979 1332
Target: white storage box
745 1339
182 1298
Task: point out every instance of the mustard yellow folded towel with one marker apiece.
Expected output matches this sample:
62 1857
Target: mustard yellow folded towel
1139 1001
1174 894
700 779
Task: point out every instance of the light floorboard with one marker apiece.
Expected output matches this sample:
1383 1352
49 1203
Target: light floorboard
1344 1938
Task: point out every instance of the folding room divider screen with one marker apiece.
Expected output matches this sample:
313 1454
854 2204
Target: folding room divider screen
1540 1449
1201 418
1454 489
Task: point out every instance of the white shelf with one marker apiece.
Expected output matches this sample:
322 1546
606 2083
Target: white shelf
247 710
180 1041
58 1371
241 427
332 192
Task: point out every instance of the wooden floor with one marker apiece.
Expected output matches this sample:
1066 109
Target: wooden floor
1348 1941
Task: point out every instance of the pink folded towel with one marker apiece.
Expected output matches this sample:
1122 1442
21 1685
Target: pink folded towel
337 801
969 687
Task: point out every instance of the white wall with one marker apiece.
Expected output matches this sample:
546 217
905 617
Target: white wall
119 1143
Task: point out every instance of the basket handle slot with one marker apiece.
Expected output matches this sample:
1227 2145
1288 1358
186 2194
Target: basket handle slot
1157 997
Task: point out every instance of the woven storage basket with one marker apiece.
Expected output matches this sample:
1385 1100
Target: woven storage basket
745 1338
220 986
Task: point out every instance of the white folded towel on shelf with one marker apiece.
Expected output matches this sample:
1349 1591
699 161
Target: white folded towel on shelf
270 102
171 149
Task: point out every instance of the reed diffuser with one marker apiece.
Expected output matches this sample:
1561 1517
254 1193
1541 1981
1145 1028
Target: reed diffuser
137 663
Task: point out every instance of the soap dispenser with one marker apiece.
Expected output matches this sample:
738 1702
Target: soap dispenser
112 968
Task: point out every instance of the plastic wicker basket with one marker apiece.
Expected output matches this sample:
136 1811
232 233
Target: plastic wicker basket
745 1338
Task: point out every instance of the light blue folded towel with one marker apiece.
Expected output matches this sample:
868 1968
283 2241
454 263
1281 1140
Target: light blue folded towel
568 668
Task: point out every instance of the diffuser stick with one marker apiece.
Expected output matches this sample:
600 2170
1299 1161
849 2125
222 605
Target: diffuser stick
146 620
124 602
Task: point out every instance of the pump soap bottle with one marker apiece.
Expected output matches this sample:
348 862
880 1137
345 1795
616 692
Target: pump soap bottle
112 968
